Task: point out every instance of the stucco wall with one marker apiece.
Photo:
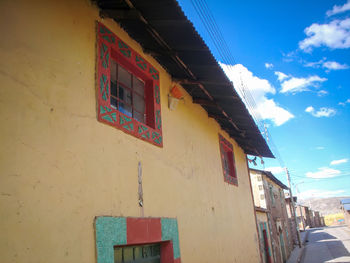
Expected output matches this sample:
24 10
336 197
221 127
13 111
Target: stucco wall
60 167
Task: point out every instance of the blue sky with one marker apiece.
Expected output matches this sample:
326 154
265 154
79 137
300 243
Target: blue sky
294 58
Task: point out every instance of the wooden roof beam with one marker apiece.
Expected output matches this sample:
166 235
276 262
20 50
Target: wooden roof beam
204 102
121 14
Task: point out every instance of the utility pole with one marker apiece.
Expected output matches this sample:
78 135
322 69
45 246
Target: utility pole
293 205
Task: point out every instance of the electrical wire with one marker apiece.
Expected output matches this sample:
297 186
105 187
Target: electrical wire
217 38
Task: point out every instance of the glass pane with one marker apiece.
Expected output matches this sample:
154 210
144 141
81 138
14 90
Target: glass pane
126 109
147 252
155 250
114 89
113 71
118 255
128 254
114 103
139 103
139 86
137 252
139 116
227 163
124 76
125 95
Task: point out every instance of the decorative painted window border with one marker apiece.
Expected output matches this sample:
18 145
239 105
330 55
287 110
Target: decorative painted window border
108 45
231 179
121 231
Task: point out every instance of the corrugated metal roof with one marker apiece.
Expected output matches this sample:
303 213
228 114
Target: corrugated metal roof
163 30
345 201
347 207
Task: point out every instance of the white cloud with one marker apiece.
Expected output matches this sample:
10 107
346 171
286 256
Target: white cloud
317 193
268 65
310 109
334 35
323 172
337 9
344 103
319 148
336 162
322 112
328 65
259 88
322 93
295 84
275 169
280 75
316 64
333 65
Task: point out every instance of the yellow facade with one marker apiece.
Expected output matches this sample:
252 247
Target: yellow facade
60 167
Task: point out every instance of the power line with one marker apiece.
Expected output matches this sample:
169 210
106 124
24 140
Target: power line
220 44
227 58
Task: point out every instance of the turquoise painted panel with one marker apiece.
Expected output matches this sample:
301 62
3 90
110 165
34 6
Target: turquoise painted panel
170 232
110 231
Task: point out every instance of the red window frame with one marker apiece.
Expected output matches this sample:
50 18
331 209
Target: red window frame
226 152
110 46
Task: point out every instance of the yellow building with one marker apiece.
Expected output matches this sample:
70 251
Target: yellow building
96 155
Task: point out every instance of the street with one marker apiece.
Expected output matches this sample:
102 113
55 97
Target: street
328 244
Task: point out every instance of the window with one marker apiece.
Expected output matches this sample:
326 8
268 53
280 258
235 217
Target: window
228 161
260 187
127 92
130 239
271 194
262 197
128 89
141 253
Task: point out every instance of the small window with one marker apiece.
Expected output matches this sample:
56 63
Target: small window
142 253
259 178
260 187
127 92
272 195
128 89
228 161
262 197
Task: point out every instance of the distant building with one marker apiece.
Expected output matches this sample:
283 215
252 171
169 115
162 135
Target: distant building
291 215
345 206
268 194
317 219
303 217
312 219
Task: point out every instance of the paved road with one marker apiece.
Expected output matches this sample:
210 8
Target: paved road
328 244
